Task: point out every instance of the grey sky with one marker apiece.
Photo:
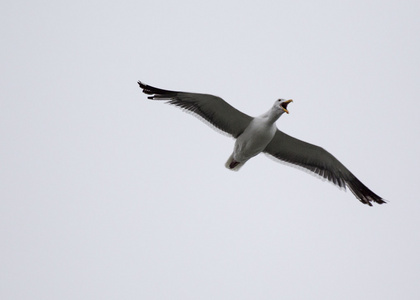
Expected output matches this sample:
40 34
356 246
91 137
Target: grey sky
105 195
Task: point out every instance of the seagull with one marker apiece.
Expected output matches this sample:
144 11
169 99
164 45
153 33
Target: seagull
260 134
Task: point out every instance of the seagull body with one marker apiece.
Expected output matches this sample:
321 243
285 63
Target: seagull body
260 134
256 136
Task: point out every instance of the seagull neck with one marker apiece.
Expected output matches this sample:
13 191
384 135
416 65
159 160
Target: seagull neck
272 115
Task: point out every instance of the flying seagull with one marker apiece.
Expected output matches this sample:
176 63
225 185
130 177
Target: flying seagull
260 134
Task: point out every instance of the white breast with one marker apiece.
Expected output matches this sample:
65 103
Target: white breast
254 139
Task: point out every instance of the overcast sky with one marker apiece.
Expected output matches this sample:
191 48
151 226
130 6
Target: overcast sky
107 195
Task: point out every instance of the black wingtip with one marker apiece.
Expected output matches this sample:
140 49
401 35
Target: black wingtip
157 94
141 84
363 193
146 89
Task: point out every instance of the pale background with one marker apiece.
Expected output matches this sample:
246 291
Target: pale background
106 195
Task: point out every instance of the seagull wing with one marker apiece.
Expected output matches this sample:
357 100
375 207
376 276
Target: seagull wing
321 162
212 109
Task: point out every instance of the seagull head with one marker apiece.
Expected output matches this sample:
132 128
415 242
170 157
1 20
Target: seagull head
281 104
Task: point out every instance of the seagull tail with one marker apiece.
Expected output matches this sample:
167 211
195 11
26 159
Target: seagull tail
233 165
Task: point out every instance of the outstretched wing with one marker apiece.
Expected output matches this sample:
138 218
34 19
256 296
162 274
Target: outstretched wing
321 162
213 109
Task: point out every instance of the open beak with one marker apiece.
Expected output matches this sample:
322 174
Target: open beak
284 105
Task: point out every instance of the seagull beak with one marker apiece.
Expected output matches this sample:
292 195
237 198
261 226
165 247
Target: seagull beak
284 105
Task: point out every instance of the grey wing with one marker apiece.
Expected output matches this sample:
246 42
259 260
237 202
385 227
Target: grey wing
213 109
321 162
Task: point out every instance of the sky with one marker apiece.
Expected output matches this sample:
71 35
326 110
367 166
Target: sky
107 195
